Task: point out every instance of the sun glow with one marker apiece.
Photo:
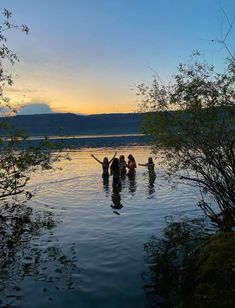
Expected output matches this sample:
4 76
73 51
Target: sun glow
84 102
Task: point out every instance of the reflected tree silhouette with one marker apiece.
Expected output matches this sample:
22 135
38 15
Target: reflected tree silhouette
164 259
22 258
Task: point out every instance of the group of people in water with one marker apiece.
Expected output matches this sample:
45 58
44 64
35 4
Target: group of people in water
119 167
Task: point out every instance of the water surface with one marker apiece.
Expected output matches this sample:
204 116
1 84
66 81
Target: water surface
86 246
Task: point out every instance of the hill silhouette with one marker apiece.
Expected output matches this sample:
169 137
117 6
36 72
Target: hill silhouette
73 124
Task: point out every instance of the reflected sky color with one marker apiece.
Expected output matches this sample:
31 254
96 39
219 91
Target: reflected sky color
107 229
85 56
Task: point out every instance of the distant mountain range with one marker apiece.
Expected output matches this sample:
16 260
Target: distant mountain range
71 124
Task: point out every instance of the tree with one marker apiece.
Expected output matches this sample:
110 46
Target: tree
17 160
192 121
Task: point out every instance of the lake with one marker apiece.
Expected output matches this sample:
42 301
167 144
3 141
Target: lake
83 245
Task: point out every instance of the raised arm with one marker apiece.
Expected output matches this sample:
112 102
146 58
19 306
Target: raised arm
144 165
96 159
113 157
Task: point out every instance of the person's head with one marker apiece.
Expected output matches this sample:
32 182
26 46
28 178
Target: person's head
115 164
122 158
105 160
131 157
150 160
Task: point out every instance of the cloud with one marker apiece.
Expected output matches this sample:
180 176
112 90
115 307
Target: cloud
21 90
35 108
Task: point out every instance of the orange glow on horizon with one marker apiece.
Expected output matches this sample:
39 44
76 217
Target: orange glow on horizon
87 103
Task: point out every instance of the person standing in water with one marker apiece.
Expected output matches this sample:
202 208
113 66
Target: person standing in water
115 172
131 165
122 165
149 164
151 174
105 164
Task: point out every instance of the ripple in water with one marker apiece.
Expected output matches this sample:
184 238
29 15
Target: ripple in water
91 253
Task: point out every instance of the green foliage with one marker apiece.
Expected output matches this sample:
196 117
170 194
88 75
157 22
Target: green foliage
16 161
165 257
209 274
7 56
192 121
189 267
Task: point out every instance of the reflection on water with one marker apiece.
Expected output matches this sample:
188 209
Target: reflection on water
165 257
82 244
21 256
106 184
116 198
84 136
151 178
132 184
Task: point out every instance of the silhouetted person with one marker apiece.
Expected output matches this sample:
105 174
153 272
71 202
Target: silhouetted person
105 164
115 172
122 165
149 164
131 165
151 173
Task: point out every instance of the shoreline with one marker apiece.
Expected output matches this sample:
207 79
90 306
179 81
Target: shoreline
93 141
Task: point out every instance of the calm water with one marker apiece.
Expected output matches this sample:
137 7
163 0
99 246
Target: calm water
84 246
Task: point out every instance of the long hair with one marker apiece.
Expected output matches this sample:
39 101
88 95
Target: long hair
122 158
131 161
115 165
131 157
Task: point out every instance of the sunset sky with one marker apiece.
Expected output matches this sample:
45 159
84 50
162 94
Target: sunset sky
86 56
